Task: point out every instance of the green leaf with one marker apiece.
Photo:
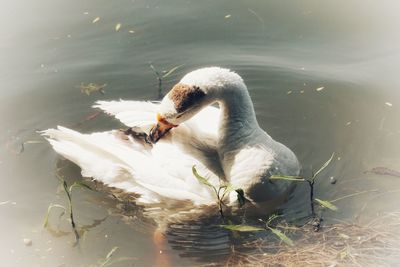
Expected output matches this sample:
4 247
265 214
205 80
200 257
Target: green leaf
326 204
171 71
288 178
79 184
200 178
282 236
51 206
241 228
323 167
272 217
228 188
240 196
108 257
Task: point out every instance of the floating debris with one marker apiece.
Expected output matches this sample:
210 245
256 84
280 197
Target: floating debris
332 180
348 123
320 89
131 31
92 116
316 224
228 16
302 92
4 202
388 104
85 13
118 27
288 92
95 19
384 171
27 242
92 87
89 117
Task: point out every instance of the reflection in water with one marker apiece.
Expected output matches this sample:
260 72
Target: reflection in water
193 233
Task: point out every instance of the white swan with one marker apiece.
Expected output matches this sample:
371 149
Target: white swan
226 144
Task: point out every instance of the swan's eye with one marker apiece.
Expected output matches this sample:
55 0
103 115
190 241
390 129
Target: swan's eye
185 96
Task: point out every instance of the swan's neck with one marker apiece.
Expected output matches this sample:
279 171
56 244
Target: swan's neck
238 121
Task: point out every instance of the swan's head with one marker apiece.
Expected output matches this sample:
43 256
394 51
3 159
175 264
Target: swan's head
196 90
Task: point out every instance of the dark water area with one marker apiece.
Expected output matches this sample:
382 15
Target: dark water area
323 77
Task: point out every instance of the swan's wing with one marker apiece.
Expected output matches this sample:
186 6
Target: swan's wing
143 113
158 174
131 113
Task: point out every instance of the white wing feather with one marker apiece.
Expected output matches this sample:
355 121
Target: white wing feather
157 174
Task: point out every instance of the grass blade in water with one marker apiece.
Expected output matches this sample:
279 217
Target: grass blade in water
171 71
108 257
287 178
323 167
282 236
242 228
326 204
79 184
51 206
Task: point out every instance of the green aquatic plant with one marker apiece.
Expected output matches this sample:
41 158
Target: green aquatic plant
169 72
163 74
242 227
107 260
277 232
68 191
221 191
49 209
267 226
326 204
310 181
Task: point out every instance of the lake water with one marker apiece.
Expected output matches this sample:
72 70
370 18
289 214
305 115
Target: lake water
284 51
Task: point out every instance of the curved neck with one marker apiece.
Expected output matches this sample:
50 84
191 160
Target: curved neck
238 120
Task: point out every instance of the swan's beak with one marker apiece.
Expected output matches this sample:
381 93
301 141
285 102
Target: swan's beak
160 129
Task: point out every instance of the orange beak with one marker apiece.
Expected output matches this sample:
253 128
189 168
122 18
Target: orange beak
160 129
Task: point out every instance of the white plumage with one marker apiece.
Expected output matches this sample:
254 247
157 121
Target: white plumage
225 144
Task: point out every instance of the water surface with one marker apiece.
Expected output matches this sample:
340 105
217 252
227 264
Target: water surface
283 51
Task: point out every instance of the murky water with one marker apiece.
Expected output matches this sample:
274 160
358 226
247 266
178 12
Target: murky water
284 52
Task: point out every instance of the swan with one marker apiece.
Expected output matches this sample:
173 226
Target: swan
207 120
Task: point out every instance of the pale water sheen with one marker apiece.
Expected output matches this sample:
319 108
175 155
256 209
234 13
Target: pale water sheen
283 50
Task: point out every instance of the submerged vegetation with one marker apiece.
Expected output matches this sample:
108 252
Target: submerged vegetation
276 241
161 75
376 243
92 87
310 181
221 192
68 191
